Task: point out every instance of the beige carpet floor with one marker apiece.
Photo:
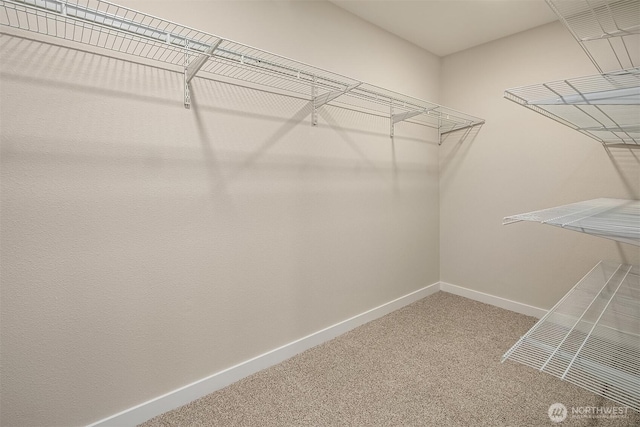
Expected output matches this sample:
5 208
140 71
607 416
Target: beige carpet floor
435 362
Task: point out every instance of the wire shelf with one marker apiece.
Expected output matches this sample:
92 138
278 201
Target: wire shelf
607 30
111 27
590 337
604 107
616 219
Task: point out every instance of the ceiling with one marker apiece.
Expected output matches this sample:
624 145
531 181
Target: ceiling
444 27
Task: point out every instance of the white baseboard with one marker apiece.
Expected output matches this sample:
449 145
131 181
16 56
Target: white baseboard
200 388
219 380
507 304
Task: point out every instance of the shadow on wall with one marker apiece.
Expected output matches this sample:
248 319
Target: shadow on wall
345 137
148 103
109 183
455 143
102 75
150 83
627 254
64 64
207 142
626 161
459 136
211 162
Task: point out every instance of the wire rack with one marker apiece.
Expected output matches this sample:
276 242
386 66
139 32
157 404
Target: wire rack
616 219
590 337
607 30
605 107
111 27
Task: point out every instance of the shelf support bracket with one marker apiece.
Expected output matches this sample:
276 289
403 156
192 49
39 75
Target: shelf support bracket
319 101
391 122
395 118
400 117
467 126
190 70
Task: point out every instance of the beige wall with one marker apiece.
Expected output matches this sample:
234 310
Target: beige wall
145 246
519 162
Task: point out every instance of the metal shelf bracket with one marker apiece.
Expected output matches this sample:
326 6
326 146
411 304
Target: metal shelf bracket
192 68
400 117
319 101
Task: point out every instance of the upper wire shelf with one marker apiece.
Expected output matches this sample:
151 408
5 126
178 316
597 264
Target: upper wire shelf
607 30
616 219
590 337
605 107
119 29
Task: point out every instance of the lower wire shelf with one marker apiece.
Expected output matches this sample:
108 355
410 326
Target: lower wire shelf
616 219
591 337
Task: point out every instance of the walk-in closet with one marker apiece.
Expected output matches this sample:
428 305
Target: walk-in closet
319 212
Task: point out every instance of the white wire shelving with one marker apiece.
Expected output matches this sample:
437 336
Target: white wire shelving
615 219
591 336
605 107
121 30
607 30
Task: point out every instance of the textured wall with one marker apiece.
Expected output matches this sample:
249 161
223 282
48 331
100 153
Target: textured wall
145 246
520 162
